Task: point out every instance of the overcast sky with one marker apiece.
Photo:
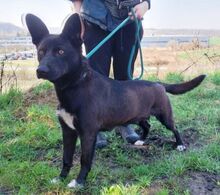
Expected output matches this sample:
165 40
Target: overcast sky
196 14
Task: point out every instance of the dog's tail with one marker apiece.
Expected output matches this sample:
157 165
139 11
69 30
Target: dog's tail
181 88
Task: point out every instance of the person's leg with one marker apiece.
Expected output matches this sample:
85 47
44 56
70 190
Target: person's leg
123 44
128 133
100 61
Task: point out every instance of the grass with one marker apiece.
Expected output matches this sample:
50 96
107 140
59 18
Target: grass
215 78
174 78
214 41
42 87
199 53
31 148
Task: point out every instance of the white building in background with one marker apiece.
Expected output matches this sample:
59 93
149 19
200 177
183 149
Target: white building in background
24 41
164 40
147 41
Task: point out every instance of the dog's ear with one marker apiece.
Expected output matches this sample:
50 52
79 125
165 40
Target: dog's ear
36 27
72 30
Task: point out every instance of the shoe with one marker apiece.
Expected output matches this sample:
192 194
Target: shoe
101 141
128 134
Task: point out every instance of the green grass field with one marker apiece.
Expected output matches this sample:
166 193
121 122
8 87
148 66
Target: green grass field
205 55
31 148
214 41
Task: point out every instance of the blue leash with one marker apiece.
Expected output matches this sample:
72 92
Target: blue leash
107 38
137 40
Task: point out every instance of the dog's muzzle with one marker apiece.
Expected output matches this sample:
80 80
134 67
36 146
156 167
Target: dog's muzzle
42 72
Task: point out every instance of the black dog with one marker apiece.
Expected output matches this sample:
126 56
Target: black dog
90 102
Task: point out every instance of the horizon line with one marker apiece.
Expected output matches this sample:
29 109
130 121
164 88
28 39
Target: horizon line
148 28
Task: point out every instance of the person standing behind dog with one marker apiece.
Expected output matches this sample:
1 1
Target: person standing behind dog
99 18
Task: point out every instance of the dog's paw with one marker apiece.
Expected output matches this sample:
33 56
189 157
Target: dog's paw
139 143
55 180
75 184
181 148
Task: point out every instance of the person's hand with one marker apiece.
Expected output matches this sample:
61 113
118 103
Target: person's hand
140 9
77 6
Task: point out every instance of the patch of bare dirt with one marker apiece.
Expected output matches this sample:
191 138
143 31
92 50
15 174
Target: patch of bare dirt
189 136
154 189
196 183
6 191
203 183
46 97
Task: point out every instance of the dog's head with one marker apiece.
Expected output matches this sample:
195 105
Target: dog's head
58 55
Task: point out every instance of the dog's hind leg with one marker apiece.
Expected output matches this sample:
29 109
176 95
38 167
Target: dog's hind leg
166 118
88 139
145 127
69 143
169 124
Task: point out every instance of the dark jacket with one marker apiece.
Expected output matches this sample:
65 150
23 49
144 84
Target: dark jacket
104 13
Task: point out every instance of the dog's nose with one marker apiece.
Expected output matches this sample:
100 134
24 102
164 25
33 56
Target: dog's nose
42 71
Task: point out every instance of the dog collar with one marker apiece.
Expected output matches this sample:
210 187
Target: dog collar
72 84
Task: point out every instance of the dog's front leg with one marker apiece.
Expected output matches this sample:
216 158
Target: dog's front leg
88 140
69 143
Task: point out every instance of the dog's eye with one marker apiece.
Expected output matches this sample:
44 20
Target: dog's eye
60 52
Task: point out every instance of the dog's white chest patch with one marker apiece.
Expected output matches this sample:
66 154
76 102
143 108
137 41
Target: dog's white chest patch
67 117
